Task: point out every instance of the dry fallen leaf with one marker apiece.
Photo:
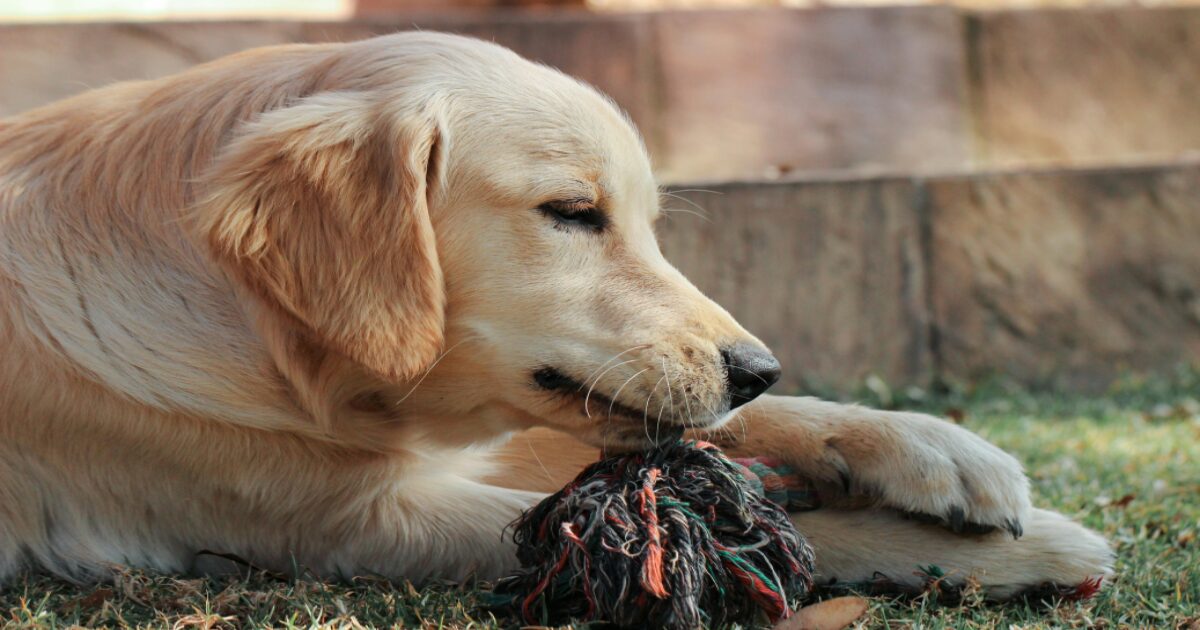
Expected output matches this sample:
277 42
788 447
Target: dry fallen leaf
1123 501
96 599
831 614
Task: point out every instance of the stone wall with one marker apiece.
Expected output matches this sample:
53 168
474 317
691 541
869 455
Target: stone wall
830 275
1057 277
751 94
1066 278
760 94
1087 86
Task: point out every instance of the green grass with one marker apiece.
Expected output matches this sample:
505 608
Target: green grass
1126 463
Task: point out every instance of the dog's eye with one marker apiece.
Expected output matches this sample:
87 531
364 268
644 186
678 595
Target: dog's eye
575 213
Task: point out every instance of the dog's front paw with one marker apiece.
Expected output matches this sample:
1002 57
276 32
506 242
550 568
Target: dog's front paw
931 469
913 463
925 467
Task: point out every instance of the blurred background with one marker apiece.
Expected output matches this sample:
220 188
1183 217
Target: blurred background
917 195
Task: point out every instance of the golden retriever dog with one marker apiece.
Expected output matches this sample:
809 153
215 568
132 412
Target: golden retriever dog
351 308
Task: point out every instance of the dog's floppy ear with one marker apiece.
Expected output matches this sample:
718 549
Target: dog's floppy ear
320 210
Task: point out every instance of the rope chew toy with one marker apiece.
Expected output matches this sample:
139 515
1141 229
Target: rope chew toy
675 537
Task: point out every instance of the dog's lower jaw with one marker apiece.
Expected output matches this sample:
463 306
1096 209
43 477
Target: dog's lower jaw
615 439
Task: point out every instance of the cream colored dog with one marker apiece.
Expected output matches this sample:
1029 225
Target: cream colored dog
307 305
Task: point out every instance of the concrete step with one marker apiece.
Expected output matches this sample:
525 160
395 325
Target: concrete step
766 93
1057 277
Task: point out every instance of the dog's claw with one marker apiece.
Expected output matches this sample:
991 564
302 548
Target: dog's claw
958 518
1014 527
978 529
956 521
923 518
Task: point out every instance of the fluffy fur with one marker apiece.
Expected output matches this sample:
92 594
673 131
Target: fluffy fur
288 305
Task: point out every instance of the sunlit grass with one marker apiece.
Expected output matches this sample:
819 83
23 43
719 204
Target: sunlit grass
1126 464
1128 468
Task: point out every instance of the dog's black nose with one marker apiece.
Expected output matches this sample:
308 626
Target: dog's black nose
749 370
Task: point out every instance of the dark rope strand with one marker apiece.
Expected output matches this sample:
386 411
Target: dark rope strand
675 537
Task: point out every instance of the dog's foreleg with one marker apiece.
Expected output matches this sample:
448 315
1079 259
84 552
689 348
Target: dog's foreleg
907 461
447 527
866 545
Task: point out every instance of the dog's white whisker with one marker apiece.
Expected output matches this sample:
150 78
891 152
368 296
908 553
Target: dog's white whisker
691 422
700 190
671 211
674 195
646 411
710 411
700 211
587 397
615 396
666 375
670 395
538 459
428 370
614 357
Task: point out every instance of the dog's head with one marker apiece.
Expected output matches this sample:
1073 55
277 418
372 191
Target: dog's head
476 233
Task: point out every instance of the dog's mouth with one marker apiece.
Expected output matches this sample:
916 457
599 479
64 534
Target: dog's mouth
635 432
594 403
